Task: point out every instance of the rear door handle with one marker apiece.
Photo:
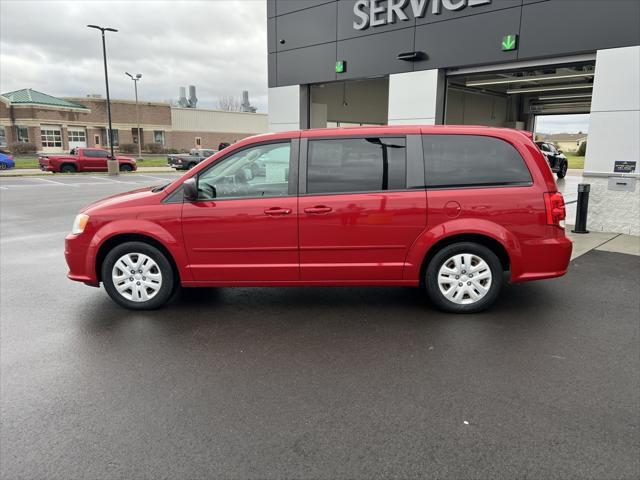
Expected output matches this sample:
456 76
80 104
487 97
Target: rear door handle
277 211
318 210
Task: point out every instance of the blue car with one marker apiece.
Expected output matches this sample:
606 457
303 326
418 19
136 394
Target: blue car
6 161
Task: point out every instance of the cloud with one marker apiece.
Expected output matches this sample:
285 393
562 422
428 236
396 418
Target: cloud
218 45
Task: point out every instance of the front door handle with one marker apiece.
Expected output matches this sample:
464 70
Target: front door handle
277 211
318 210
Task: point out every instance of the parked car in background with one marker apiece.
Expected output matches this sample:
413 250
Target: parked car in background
84 160
555 158
458 210
186 161
6 160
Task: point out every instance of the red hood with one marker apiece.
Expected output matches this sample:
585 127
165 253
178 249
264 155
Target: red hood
123 157
120 198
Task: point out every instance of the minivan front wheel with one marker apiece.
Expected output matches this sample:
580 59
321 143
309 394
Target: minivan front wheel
138 276
464 277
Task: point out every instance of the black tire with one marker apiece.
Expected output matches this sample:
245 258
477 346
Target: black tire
3 166
68 168
190 166
562 172
169 279
443 256
125 167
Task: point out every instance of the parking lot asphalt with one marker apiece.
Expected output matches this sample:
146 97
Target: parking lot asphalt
306 382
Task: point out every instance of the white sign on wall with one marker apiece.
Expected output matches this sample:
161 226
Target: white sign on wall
374 13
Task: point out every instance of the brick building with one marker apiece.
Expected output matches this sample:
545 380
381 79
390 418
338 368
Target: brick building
58 124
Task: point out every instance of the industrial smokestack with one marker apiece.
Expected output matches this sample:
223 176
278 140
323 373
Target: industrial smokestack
245 106
193 100
182 97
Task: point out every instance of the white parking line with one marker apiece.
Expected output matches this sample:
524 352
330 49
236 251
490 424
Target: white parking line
155 178
114 181
52 181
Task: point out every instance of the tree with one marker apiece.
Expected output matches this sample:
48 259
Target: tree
229 103
582 149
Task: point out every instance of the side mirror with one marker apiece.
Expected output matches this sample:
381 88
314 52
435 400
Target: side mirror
190 188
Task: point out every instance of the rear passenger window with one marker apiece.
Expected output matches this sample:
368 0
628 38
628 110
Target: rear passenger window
346 165
471 160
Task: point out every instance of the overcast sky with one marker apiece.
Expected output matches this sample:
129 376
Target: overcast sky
218 45
562 124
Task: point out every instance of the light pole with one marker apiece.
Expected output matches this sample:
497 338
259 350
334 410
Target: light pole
135 85
112 163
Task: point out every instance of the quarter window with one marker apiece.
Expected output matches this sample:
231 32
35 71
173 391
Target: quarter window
346 165
255 172
472 160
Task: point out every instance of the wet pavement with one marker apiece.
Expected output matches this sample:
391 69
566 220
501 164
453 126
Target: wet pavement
306 382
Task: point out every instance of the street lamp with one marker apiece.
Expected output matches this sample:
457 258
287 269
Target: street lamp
112 163
135 84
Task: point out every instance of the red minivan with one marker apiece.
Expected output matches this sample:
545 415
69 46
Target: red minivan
457 210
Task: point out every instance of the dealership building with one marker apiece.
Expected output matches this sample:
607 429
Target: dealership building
475 62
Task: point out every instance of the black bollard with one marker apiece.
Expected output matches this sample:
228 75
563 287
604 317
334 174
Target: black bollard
583 207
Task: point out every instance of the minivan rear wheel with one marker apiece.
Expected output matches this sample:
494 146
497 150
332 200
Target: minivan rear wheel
138 276
464 277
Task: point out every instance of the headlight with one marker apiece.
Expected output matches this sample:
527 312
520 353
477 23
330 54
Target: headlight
79 223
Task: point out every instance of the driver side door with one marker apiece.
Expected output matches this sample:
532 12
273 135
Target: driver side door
243 229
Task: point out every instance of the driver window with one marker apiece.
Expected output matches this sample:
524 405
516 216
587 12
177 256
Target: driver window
260 171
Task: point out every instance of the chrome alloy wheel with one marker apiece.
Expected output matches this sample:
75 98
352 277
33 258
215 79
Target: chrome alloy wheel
464 278
136 277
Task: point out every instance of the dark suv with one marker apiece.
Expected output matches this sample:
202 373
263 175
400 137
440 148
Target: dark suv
556 159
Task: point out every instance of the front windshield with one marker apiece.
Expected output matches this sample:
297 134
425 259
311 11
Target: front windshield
261 171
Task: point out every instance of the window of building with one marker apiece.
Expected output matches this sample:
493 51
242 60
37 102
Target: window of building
51 137
22 134
468 160
198 142
3 136
158 137
256 172
115 138
356 165
77 136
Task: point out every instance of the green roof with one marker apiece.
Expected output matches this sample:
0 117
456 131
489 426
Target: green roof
31 96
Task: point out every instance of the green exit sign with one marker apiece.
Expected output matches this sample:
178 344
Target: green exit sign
509 42
341 66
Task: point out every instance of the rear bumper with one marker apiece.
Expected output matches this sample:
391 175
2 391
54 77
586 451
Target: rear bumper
544 258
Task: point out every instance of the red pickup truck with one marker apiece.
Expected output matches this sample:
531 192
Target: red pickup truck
84 160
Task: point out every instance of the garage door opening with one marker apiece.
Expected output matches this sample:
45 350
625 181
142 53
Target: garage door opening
349 103
513 98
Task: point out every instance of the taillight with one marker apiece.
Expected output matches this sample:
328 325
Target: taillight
556 212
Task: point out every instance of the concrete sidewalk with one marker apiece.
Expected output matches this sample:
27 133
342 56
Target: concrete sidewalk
603 241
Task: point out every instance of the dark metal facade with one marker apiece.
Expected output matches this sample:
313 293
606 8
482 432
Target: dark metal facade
307 37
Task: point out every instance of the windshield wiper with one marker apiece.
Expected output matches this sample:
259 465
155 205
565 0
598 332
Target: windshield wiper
159 188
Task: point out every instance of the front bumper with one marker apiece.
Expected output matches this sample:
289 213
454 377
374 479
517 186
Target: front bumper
80 259
177 166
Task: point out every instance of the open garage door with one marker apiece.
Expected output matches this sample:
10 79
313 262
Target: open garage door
349 103
513 98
